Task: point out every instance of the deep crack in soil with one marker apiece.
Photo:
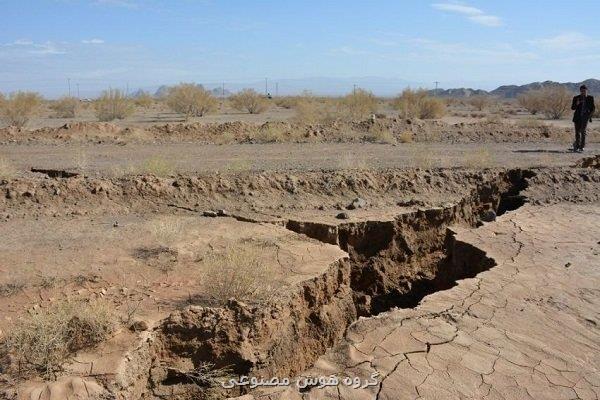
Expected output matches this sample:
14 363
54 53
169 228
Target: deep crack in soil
391 263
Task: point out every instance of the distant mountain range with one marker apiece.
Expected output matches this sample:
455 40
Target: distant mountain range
512 91
379 86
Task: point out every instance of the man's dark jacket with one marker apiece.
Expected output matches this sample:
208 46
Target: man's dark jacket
590 107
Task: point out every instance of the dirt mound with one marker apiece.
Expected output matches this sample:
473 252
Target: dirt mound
75 131
371 130
590 162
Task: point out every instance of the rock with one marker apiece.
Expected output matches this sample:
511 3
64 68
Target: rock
211 214
116 224
138 326
488 216
222 213
357 203
343 215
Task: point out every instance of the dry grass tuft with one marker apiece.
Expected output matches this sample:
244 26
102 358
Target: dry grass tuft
353 162
7 170
46 338
479 158
238 272
65 107
18 108
157 166
418 104
113 104
191 100
249 100
531 123
379 134
406 137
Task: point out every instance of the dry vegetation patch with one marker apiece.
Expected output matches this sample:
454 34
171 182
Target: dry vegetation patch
46 338
191 100
19 107
239 271
359 104
249 100
65 107
113 104
418 104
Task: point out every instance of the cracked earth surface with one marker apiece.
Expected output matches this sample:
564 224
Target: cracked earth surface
528 328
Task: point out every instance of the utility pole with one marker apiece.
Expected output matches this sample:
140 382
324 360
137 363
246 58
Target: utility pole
69 83
266 86
223 90
276 89
354 90
78 91
436 88
127 90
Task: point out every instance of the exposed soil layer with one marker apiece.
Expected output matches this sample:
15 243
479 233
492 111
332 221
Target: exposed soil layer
398 241
339 131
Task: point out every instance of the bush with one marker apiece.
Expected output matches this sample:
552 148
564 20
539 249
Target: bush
18 108
556 101
480 102
65 107
113 104
46 338
191 100
144 100
249 100
532 100
359 104
238 272
418 104
379 134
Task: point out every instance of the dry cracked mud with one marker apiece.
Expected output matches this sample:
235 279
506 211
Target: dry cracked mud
412 285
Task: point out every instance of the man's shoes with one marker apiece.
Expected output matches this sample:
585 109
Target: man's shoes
579 150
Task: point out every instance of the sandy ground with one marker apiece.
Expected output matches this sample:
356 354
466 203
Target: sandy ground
184 157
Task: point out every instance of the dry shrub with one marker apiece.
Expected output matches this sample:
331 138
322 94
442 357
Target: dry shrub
406 137
7 170
12 287
249 100
144 100
494 119
157 166
239 272
18 108
271 134
418 104
532 101
312 110
287 102
379 134
191 100
113 104
359 104
165 230
46 338
65 107
556 101
480 102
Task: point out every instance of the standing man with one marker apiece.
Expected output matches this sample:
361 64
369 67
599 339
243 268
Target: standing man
584 107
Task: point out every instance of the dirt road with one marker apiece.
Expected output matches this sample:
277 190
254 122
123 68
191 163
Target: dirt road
186 157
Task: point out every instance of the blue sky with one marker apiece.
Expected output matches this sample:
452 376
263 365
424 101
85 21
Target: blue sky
102 43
